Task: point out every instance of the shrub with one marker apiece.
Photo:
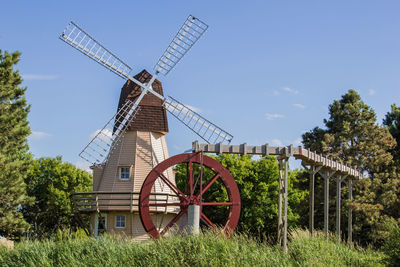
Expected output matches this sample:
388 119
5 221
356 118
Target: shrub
392 243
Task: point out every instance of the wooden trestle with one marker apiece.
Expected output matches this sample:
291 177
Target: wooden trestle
313 163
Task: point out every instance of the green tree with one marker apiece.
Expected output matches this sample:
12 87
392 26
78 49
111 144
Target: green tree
257 181
14 156
392 121
376 204
51 182
352 135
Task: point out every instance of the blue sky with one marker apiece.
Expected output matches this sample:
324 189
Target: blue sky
265 71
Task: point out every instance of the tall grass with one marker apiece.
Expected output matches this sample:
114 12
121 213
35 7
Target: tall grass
207 249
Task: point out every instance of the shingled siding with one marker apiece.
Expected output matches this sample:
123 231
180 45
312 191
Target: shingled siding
152 115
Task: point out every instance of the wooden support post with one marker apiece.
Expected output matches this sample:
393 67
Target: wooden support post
313 170
338 205
326 206
326 175
350 218
280 223
285 205
311 210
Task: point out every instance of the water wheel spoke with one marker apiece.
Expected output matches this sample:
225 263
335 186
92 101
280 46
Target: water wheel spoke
190 178
207 221
173 221
200 176
163 204
171 185
208 185
217 203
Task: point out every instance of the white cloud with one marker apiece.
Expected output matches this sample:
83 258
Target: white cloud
105 135
299 106
270 116
275 92
193 108
84 165
290 90
39 135
371 92
38 77
277 142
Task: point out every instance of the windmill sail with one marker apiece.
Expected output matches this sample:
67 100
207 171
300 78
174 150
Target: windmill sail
189 33
99 148
83 42
205 129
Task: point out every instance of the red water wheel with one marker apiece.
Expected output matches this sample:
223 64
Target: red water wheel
202 181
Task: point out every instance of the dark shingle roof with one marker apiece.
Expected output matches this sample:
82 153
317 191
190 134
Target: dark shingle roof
152 115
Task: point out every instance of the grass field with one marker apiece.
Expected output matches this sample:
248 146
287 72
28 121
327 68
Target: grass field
207 249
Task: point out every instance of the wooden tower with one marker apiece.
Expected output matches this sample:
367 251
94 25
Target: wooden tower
120 178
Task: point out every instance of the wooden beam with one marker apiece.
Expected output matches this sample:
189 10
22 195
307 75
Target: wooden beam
326 175
339 180
312 170
285 205
280 192
350 218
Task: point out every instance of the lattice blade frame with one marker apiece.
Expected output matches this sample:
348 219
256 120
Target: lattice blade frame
205 129
189 33
101 146
84 43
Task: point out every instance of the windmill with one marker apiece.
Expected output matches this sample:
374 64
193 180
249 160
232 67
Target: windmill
132 142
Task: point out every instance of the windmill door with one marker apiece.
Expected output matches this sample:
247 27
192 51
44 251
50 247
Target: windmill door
100 225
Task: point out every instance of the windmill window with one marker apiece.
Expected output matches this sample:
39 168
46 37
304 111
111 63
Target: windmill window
124 173
120 221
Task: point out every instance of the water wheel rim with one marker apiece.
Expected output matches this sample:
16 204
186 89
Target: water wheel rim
222 173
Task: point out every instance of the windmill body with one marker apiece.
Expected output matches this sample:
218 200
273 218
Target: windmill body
138 151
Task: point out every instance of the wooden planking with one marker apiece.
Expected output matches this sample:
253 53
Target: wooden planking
111 221
126 159
171 174
158 157
97 174
128 150
138 233
110 170
144 163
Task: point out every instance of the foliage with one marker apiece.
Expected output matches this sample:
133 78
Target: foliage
392 243
377 202
392 121
207 249
353 136
14 156
258 185
52 182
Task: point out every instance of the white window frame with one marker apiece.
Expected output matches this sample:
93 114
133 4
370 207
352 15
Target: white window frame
116 221
120 173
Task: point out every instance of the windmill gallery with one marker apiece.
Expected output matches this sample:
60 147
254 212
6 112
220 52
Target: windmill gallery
135 192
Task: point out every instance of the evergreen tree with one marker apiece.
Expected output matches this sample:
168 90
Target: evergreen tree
14 156
353 136
392 121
